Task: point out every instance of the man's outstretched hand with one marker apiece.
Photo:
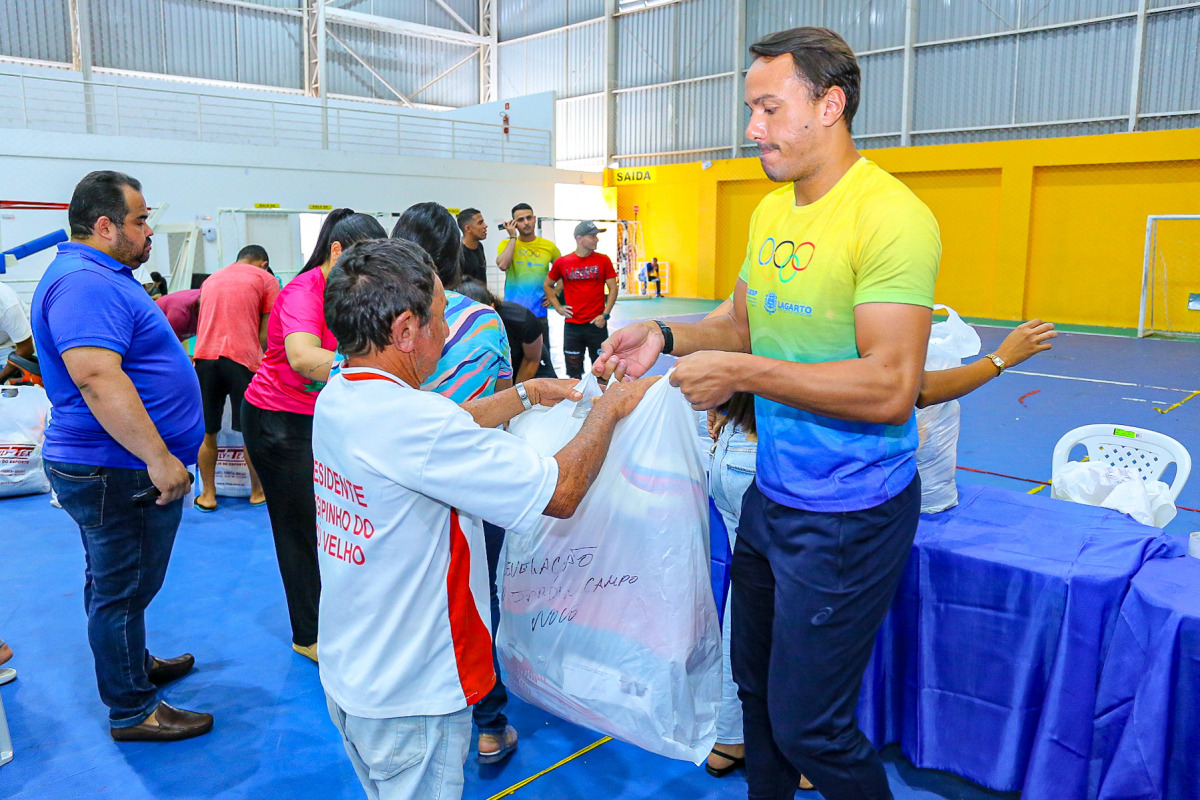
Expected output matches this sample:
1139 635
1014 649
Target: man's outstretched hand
635 346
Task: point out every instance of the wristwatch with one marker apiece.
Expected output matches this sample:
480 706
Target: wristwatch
668 338
521 393
998 361
607 315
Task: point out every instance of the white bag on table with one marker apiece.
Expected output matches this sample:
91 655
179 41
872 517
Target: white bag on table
23 413
608 618
1095 483
232 478
937 455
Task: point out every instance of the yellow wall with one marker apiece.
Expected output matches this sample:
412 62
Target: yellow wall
1052 228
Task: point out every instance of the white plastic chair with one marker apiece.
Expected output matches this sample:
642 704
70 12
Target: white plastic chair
1149 453
6 748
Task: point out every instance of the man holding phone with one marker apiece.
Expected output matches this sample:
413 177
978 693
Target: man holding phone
525 260
127 417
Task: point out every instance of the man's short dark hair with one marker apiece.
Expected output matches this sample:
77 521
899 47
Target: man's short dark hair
373 283
99 194
521 207
822 59
466 217
255 252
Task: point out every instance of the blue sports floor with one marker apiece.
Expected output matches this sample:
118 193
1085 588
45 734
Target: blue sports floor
224 602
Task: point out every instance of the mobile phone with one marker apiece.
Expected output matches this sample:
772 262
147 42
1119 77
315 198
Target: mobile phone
147 497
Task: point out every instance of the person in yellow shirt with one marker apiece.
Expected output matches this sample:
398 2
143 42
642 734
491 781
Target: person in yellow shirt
525 259
828 328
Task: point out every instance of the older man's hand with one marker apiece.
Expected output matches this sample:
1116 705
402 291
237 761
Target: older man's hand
551 391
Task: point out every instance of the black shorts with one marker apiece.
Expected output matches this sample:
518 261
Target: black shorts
220 379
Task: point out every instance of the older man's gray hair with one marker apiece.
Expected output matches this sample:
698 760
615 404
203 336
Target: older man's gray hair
372 284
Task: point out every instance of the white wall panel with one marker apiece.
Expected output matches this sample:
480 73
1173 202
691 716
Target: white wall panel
1075 73
40 30
881 94
579 128
406 62
1171 62
864 24
523 17
964 85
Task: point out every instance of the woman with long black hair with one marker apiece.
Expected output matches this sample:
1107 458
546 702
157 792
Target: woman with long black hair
277 417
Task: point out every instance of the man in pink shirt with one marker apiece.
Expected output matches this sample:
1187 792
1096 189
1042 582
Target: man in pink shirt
183 312
235 304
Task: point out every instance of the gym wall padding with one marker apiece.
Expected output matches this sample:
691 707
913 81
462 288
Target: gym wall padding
1041 227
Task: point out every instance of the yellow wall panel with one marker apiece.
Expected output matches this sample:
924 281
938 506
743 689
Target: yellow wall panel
1087 237
1042 227
966 204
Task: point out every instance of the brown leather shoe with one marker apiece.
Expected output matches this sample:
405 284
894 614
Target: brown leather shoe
166 670
170 725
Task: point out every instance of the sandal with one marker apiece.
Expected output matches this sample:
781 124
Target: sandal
507 742
721 772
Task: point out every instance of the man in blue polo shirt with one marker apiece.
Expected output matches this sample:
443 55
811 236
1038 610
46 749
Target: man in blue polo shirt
127 417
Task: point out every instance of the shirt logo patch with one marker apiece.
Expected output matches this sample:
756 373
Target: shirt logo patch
785 258
772 303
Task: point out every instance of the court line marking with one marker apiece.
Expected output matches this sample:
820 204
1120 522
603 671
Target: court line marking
1098 380
1177 405
513 789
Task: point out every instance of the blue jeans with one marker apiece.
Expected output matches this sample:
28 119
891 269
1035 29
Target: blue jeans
730 475
126 549
488 713
406 758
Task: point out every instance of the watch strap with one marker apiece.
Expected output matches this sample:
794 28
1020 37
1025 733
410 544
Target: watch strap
668 338
524 395
998 361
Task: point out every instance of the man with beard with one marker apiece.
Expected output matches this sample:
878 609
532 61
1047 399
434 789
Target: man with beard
127 417
828 329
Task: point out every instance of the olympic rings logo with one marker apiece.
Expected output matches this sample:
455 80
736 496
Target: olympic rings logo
784 254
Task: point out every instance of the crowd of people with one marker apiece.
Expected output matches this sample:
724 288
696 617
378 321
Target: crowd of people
372 382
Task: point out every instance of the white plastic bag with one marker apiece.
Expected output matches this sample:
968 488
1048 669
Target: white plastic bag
1095 483
23 411
937 455
232 477
608 618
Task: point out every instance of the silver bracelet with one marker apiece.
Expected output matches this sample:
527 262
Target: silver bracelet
521 393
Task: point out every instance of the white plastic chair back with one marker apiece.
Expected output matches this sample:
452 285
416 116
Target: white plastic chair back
1148 453
6 748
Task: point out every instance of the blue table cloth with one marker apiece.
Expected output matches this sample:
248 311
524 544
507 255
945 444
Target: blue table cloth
1147 744
988 663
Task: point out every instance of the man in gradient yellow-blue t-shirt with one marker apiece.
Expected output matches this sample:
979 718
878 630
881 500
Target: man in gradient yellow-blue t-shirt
525 259
828 328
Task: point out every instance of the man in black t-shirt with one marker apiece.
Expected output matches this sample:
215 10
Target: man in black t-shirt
474 230
523 329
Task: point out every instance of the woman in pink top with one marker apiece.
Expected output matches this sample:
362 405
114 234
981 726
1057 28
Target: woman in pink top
277 417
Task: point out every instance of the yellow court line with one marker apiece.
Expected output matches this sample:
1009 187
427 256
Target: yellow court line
1177 405
512 789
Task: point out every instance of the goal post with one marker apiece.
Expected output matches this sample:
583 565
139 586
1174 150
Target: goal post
1170 276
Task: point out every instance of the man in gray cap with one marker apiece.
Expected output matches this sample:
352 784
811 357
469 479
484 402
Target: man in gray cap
586 276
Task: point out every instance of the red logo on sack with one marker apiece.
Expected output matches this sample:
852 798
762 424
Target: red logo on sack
16 453
231 456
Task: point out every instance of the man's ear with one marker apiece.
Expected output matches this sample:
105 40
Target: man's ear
833 106
405 329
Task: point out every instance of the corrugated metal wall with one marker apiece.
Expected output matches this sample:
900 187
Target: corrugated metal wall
215 41
982 69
